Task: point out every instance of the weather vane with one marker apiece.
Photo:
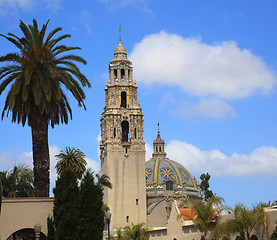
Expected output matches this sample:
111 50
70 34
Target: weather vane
120 30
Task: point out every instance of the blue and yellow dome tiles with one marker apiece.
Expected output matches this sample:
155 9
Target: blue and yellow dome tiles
159 170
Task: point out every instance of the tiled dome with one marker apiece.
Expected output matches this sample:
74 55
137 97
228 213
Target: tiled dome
120 49
163 174
159 170
120 52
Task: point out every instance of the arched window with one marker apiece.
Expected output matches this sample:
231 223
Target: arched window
135 133
124 131
122 73
156 149
123 99
160 148
115 74
169 186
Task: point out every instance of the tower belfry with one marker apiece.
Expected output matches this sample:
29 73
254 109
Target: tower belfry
122 149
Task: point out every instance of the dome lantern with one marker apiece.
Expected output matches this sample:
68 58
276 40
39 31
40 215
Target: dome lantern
158 144
120 52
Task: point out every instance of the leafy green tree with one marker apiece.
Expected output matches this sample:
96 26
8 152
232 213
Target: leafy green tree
133 232
38 75
92 214
78 210
204 213
71 158
50 229
244 223
204 186
17 182
66 211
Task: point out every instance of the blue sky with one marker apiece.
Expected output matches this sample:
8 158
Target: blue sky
206 71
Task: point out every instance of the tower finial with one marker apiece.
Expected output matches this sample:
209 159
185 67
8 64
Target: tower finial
158 128
120 30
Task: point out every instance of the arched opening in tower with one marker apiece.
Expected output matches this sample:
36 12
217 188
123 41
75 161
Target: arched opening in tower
124 131
123 99
122 73
115 74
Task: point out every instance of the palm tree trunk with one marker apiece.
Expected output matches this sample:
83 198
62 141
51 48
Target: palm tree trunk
41 158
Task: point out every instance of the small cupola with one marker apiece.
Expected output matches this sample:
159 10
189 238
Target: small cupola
120 52
158 145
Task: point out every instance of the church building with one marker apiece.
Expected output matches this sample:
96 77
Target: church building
122 149
142 191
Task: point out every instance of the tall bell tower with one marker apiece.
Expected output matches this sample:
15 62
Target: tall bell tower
122 149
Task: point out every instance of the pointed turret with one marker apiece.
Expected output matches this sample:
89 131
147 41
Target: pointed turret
158 144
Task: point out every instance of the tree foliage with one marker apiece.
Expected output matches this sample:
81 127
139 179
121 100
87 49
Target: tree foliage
66 211
133 232
92 214
50 229
37 76
78 212
17 182
71 158
244 223
204 186
104 181
205 212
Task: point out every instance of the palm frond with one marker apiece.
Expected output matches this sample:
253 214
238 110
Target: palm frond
51 34
14 41
11 57
26 31
63 48
53 42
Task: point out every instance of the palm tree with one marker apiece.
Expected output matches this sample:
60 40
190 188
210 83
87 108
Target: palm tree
17 182
38 76
244 223
71 158
203 214
133 232
104 180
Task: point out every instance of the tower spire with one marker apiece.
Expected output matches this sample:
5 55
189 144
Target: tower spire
158 128
120 30
122 149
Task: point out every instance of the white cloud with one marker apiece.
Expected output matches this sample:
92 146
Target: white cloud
207 107
11 7
53 5
115 4
222 70
261 161
53 150
149 151
24 4
85 18
7 160
93 165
